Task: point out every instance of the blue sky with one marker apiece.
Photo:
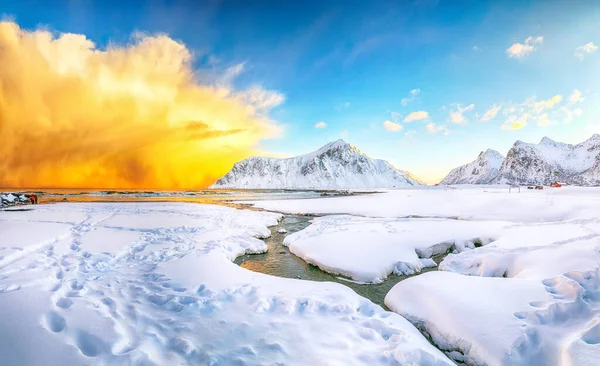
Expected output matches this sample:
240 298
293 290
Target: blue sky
533 66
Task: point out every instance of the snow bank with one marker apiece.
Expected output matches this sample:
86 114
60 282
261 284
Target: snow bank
477 203
542 308
369 249
153 283
471 318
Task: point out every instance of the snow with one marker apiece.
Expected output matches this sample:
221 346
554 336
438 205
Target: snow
472 203
473 317
9 199
480 171
529 295
154 283
550 161
369 249
337 165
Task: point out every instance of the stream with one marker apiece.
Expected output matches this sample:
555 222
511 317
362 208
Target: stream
279 261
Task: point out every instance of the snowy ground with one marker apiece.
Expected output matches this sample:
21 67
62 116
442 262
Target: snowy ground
471 203
530 295
153 283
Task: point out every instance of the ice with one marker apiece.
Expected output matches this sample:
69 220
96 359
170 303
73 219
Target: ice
154 283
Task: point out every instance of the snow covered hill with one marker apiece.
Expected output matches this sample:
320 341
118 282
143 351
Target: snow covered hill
480 171
337 165
551 161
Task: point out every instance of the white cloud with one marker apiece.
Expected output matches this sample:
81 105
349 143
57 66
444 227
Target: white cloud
416 116
344 134
230 74
544 120
490 113
261 98
410 134
320 125
575 97
413 94
434 129
457 115
342 106
396 116
516 122
539 107
544 112
589 47
392 127
477 49
520 50
568 114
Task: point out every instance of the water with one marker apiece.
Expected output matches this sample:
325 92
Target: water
279 261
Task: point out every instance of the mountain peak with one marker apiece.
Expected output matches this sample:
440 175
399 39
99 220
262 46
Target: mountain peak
594 137
336 165
547 141
332 145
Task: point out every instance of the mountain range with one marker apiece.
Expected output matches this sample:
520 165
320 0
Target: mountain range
526 163
337 165
340 165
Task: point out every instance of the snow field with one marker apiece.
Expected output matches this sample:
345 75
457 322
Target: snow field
153 284
529 295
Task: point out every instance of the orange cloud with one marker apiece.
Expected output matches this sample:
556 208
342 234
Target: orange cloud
132 116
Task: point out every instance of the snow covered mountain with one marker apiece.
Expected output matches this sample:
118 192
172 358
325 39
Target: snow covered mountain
551 161
480 171
337 165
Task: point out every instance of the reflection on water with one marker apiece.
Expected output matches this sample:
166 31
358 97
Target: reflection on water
278 261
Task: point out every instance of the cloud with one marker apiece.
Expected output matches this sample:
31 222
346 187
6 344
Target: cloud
416 116
491 113
342 106
477 49
320 125
587 48
127 116
410 134
545 112
434 129
457 115
412 95
344 134
392 127
516 122
575 97
520 50
261 98
396 116
568 114
543 120
539 107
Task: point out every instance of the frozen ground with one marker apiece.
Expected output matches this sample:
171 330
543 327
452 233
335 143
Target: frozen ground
530 295
465 202
153 283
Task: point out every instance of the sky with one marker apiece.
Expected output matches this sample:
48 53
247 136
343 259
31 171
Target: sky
426 84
